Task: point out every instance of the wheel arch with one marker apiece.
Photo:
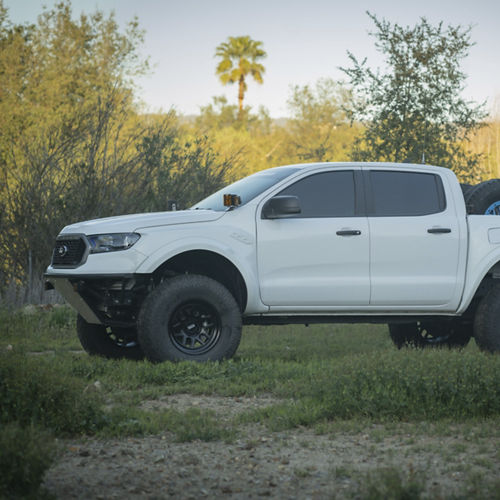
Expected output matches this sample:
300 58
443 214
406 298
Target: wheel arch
207 263
487 279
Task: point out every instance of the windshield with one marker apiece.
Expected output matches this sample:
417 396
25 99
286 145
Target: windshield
247 189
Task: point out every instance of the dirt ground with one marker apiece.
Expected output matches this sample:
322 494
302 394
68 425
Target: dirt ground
260 463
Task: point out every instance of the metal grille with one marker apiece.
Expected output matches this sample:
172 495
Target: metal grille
68 252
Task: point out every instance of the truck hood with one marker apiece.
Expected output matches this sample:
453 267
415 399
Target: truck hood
132 223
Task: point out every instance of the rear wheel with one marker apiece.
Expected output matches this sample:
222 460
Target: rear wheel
110 342
487 321
190 317
433 333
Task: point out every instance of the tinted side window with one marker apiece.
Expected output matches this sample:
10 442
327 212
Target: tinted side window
406 193
328 194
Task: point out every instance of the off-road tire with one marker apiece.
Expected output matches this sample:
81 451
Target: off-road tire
189 317
484 198
433 333
112 343
487 322
466 188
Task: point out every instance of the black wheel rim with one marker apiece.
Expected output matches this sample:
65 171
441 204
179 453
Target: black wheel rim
194 327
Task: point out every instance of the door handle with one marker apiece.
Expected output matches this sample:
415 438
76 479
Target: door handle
439 230
348 232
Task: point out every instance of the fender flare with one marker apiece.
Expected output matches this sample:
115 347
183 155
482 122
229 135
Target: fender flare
246 266
485 266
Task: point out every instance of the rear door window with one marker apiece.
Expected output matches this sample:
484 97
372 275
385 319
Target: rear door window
406 193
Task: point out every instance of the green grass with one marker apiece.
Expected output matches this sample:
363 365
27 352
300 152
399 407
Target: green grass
312 343
317 374
193 424
39 331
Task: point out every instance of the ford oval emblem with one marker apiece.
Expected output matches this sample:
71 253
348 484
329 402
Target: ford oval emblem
62 250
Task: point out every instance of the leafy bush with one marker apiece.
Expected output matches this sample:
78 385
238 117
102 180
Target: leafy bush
34 392
25 455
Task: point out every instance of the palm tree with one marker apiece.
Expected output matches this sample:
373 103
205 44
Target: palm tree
239 57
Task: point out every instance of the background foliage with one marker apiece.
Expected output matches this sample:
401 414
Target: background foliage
413 110
75 144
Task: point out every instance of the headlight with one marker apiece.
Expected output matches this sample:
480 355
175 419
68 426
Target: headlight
100 243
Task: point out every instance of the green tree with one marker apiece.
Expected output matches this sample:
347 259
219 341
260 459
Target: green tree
183 169
68 132
218 115
73 145
239 58
319 128
413 110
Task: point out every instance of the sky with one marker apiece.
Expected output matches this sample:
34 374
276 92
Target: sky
305 40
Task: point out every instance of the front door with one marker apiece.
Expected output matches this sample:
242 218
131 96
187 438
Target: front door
320 257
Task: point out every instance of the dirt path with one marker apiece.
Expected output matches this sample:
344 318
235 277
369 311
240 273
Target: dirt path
260 463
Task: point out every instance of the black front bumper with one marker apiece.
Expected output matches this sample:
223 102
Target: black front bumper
111 300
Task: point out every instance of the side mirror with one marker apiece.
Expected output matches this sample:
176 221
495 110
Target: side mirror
280 206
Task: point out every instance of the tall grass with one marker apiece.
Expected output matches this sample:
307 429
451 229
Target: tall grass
316 374
402 386
35 329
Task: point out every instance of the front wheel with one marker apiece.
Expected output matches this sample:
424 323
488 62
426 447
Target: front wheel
432 333
110 342
190 317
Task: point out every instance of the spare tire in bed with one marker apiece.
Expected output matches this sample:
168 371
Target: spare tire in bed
483 199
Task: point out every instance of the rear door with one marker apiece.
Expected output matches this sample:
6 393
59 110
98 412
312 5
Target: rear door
320 257
415 240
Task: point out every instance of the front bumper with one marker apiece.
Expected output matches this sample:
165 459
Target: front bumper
111 300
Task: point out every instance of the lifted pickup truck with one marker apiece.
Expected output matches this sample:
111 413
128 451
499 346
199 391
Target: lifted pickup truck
324 242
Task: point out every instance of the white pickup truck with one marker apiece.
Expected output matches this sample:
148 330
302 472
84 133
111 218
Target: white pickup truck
315 243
